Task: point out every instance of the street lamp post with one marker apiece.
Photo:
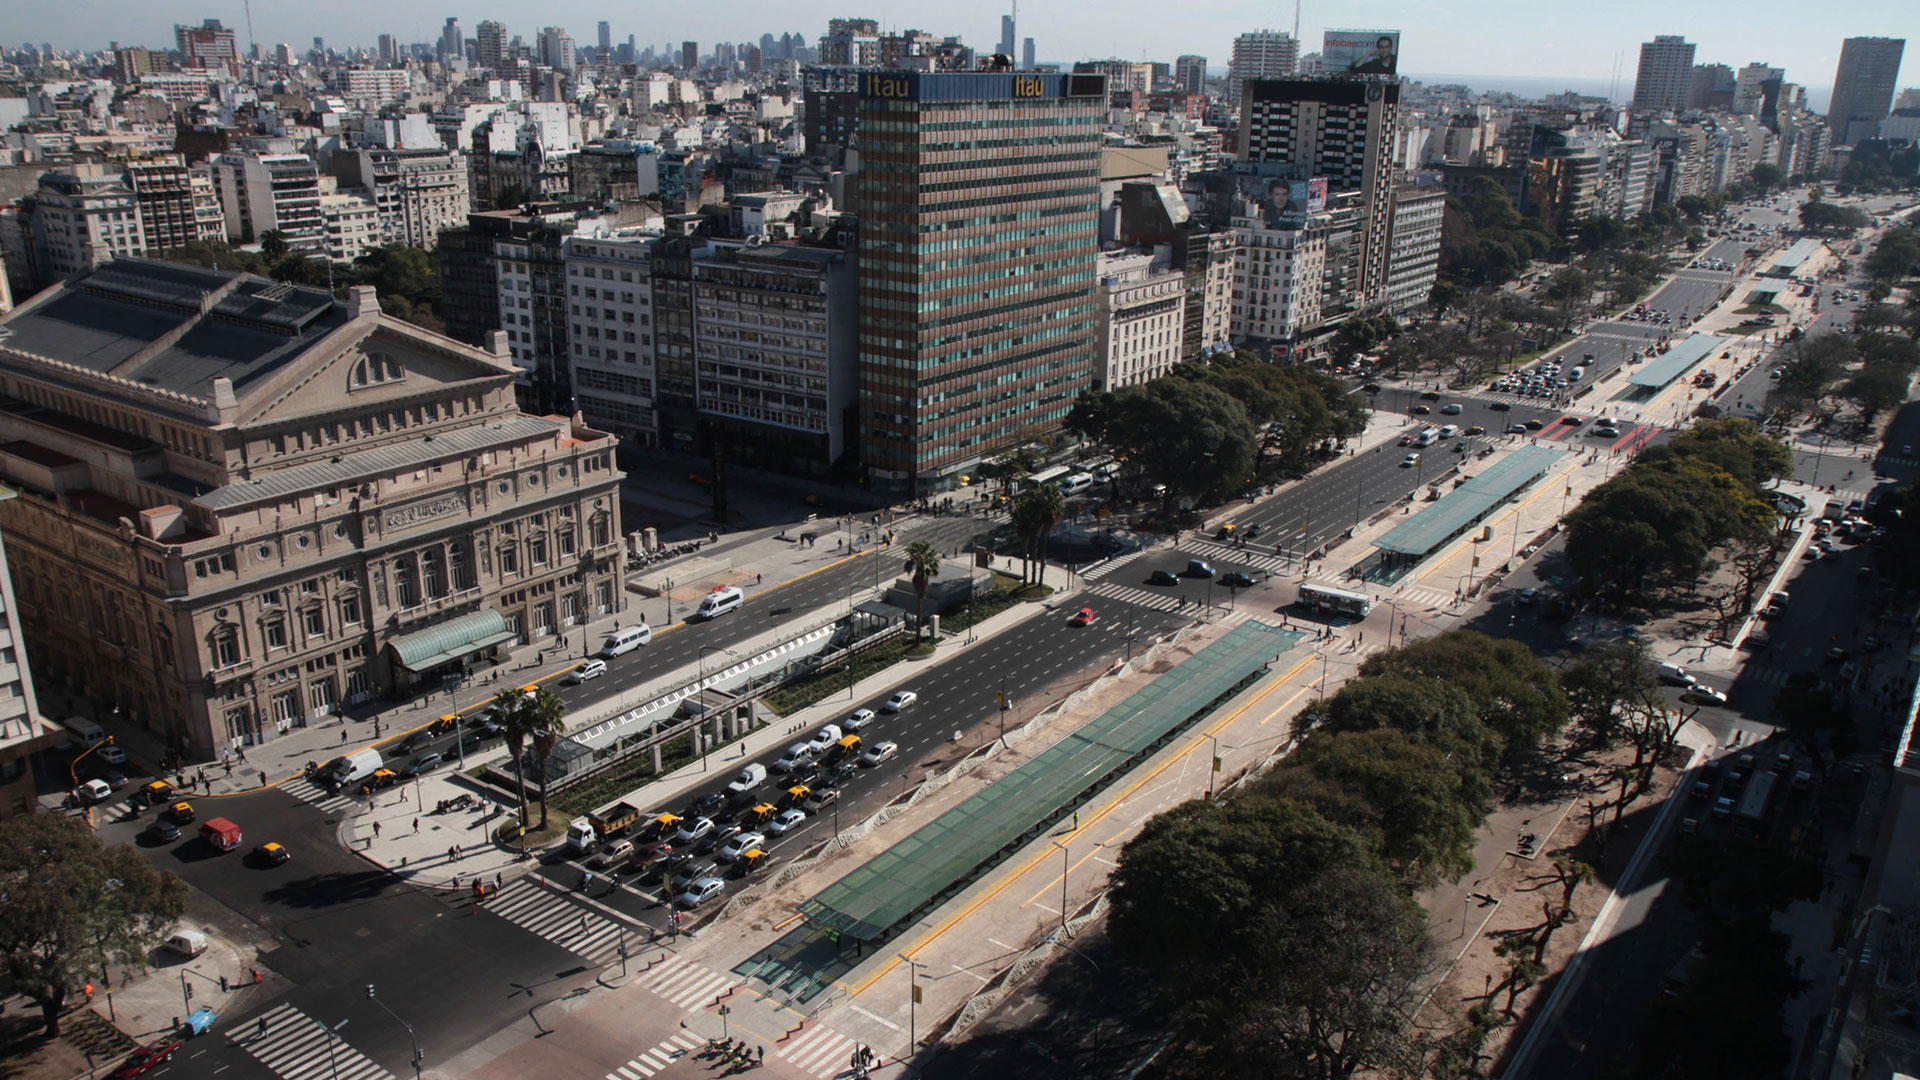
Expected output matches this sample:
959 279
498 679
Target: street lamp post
1064 867
913 1002
1213 770
419 1055
333 1035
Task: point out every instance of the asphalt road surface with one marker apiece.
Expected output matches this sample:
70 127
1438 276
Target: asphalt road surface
956 697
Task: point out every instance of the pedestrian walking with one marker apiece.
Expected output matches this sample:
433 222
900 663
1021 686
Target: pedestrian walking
496 883
416 825
450 858
263 1027
343 732
376 828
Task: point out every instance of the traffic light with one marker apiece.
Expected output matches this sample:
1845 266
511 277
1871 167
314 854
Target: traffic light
189 989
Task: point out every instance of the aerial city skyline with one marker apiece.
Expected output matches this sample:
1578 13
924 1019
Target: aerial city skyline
854 545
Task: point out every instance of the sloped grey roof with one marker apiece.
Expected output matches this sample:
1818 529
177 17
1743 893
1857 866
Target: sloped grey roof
380 461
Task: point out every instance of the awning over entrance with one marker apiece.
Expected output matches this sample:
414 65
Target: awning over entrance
427 649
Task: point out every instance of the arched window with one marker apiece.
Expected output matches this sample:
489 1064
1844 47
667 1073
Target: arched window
374 368
430 572
403 582
457 567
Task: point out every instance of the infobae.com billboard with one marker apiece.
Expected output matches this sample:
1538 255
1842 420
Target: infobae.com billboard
1361 52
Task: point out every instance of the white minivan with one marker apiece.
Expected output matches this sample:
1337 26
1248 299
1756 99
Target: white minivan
625 641
719 602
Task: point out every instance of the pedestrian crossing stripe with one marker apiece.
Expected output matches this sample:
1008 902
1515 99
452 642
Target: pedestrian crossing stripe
307 791
652 1060
583 932
296 1046
685 983
1102 569
820 1051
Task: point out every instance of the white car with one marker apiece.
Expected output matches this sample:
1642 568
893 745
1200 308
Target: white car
856 720
739 846
1410 461
112 755
787 820
699 892
901 699
591 669
693 830
879 753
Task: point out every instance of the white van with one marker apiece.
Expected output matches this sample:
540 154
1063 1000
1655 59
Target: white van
824 739
719 602
1425 438
1450 431
797 755
625 641
1675 674
86 731
187 942
1077 483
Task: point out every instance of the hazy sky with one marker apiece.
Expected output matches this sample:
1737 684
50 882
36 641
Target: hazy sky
1505 37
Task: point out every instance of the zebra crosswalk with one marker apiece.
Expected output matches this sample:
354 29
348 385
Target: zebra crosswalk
683 982
586 933
1429 595
295 1046
1169 600
819 1051
1102 569
307 791
651 1060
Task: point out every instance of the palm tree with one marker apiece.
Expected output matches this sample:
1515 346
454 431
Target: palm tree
273 245
550 718
513 711
1036 511
923 563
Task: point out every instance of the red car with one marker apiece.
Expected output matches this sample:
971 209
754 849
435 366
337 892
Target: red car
1084 617
147 1057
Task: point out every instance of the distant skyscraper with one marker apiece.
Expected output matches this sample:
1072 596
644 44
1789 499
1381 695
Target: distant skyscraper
1265 54
1026 54
212 45
389 49
1749 86
1863 87
689 54
1666 74
960 358
453 45
490 44
606 42
556 48
1006 36
1190 74
1711 87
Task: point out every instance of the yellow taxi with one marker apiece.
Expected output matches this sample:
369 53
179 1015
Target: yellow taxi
181 812
273 854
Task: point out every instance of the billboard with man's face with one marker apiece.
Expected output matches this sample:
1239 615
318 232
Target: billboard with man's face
1361 52
1282 202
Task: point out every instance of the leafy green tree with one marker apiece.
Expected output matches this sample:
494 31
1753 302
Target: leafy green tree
1569 286
1616 696
1831 217
1510 690
69 905
1766 176
1738 446
1286 941
1428 710
1411 795
1186 434
1876 389
1896 257
1655 525
923 565
273 245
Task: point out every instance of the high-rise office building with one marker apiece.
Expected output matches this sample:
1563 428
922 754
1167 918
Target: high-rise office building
1190 74
1665 76
1749 84
979 203
1863 87
1339 130
556 49
1264 54
490 44
690 55
1711 87
1006 36
453 45
1026 54
208 45
605 53
389 47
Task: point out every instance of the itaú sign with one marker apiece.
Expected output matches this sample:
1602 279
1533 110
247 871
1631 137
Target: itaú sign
965 85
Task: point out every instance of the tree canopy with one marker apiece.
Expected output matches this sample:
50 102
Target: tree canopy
1184 433
70 905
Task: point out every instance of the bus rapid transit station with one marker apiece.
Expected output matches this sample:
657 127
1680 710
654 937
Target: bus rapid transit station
1657 375
885 895
1414 540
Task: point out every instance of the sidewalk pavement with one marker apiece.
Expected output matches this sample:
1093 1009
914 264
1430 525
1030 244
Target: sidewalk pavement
403 830
762 561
